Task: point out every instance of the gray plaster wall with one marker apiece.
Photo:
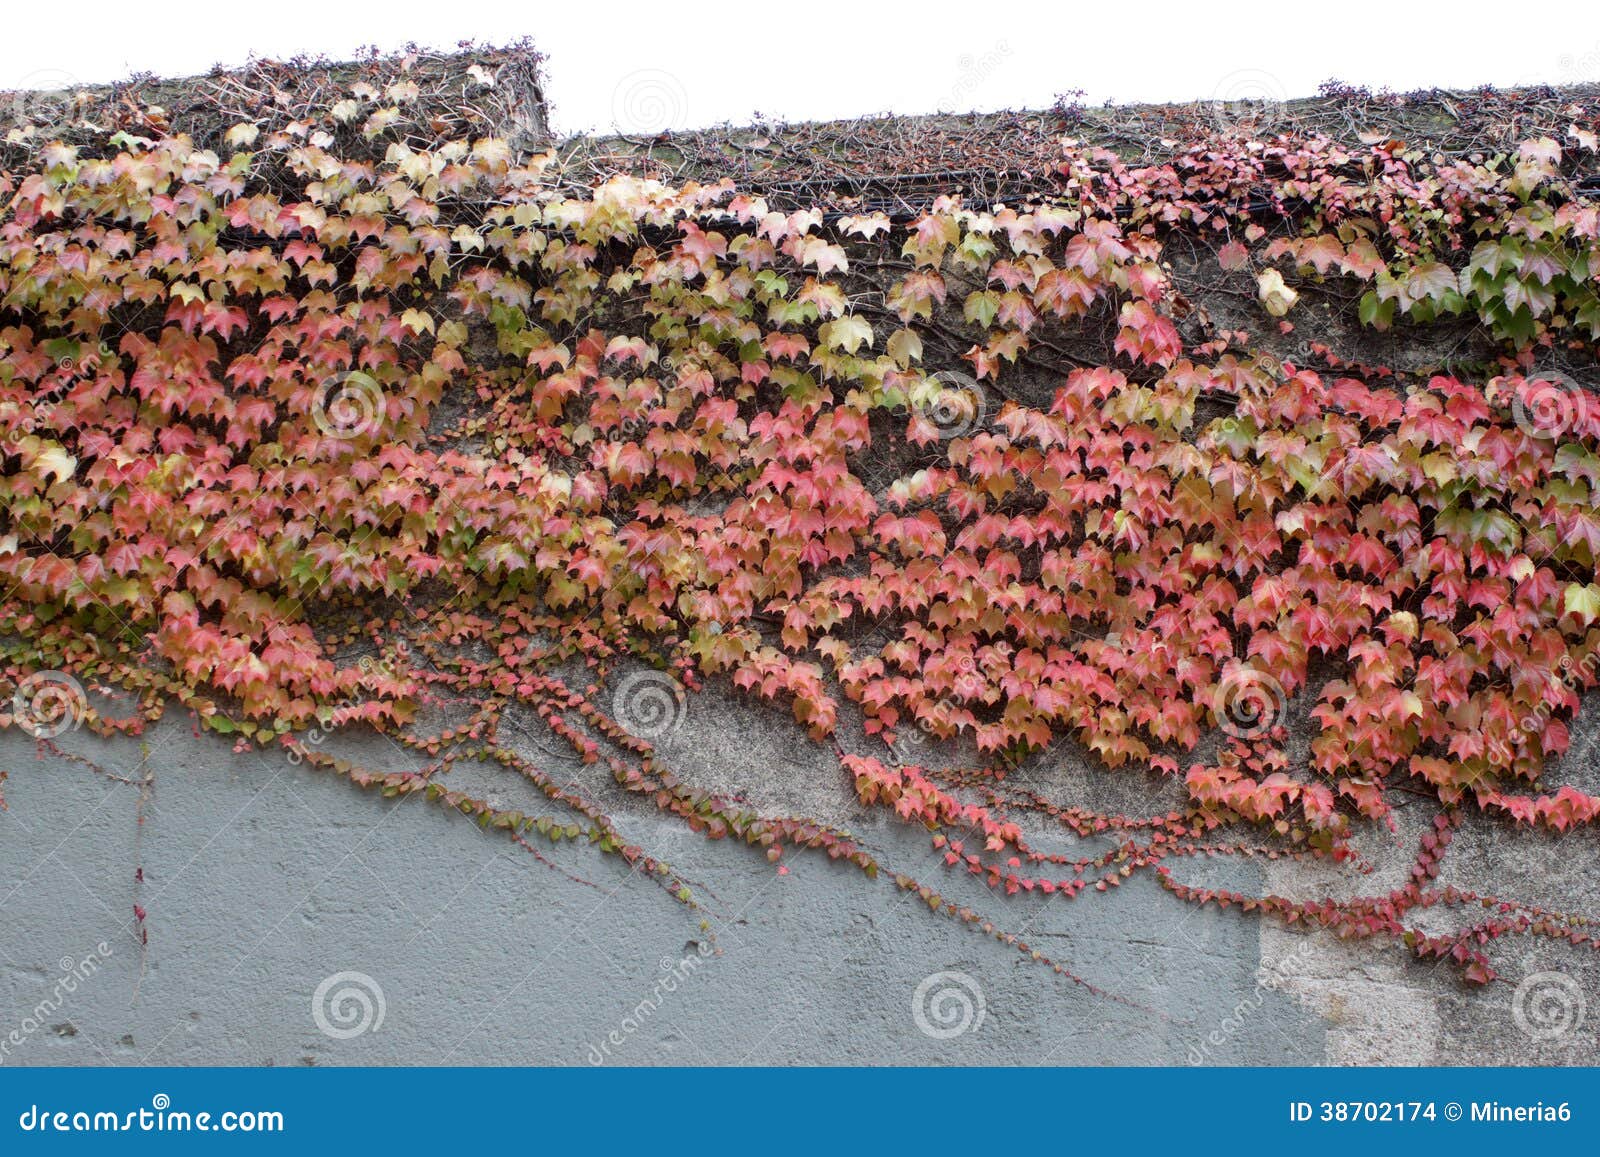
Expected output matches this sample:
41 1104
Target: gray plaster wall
263 879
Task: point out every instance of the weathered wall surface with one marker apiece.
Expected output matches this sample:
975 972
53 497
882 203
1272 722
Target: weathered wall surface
263 879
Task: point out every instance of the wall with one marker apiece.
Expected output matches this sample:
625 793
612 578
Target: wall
262 879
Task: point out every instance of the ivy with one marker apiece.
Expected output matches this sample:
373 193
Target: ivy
300 439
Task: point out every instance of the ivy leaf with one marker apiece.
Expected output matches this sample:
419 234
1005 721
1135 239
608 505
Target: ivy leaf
1426 282
52 461
848 333
1276 297
1361 260
866 226
981 308
905 347
1582 601
1322 253
1373 311
825 256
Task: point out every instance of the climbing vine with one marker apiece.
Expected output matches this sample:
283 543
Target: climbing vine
350 421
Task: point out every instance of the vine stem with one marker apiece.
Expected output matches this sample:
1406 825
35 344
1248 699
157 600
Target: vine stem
146 786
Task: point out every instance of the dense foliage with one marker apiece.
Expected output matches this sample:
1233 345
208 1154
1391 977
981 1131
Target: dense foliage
340 423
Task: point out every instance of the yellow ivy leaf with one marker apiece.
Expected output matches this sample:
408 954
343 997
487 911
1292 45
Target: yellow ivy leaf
380 121
53 462
1441 468
846 333
1582 601
1276 297
905 347
824 256
492 151
866 226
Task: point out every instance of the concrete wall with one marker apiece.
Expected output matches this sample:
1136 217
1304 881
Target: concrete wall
263 879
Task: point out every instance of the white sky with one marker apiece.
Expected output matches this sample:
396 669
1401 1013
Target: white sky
643 67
